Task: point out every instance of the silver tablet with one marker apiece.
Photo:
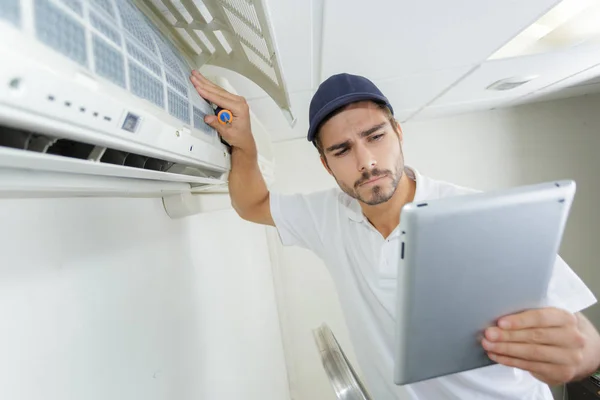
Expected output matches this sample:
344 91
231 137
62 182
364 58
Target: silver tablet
465 262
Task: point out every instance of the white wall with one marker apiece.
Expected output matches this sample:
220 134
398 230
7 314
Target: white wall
484 150
109 298
309 296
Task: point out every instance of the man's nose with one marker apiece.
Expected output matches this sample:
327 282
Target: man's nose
365 160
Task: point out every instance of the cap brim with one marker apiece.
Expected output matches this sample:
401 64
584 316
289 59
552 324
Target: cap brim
339 103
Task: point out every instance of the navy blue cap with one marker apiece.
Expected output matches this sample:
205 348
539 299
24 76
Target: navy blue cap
339 91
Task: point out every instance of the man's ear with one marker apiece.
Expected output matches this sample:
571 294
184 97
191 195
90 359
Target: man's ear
325 165
400 135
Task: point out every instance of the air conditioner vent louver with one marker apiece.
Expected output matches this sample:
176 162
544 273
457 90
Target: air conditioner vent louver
39 143
70 148
15 139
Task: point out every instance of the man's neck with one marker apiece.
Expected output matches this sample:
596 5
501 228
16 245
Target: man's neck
385 217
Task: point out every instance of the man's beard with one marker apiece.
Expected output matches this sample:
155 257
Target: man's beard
376 194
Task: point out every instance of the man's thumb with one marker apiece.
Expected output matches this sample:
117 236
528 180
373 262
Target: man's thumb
212 121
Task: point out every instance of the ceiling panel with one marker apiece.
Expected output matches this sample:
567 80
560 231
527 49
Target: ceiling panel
292 23
567 92
551 68
573 91
404 115
456 109
585 82
412 92
407 95
385 38
487 105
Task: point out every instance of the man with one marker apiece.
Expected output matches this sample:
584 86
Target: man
354 232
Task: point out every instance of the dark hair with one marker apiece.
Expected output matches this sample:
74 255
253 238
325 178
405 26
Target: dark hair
381 106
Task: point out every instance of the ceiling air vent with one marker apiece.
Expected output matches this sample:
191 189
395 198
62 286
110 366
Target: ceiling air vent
511 83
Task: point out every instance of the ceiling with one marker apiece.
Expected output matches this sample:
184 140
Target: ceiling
429 57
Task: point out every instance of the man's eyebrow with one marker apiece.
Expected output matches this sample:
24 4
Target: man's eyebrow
373 129
363 134
338 146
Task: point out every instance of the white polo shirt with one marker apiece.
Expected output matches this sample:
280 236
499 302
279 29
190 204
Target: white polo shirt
363 266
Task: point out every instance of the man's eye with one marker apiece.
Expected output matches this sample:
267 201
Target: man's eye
341 153
377 137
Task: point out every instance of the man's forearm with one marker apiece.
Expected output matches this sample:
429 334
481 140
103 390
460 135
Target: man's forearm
247 187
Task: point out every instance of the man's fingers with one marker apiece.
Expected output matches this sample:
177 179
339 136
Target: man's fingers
541 318
222 129
202 79
532 352
205 83
562 337
547 372
212 121
238 133
217 98
531 366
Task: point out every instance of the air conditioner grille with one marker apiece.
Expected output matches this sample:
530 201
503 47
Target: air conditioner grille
135 25
243 31
146 86
232 34
60 31
176 84
105 28
247 10
109 62
170 60
143 59
258 62
106 6
200 124
178 107
10 10
74 5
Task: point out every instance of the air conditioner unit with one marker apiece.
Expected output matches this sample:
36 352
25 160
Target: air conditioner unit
95 97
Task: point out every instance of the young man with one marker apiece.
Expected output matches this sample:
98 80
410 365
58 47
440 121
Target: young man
354 231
